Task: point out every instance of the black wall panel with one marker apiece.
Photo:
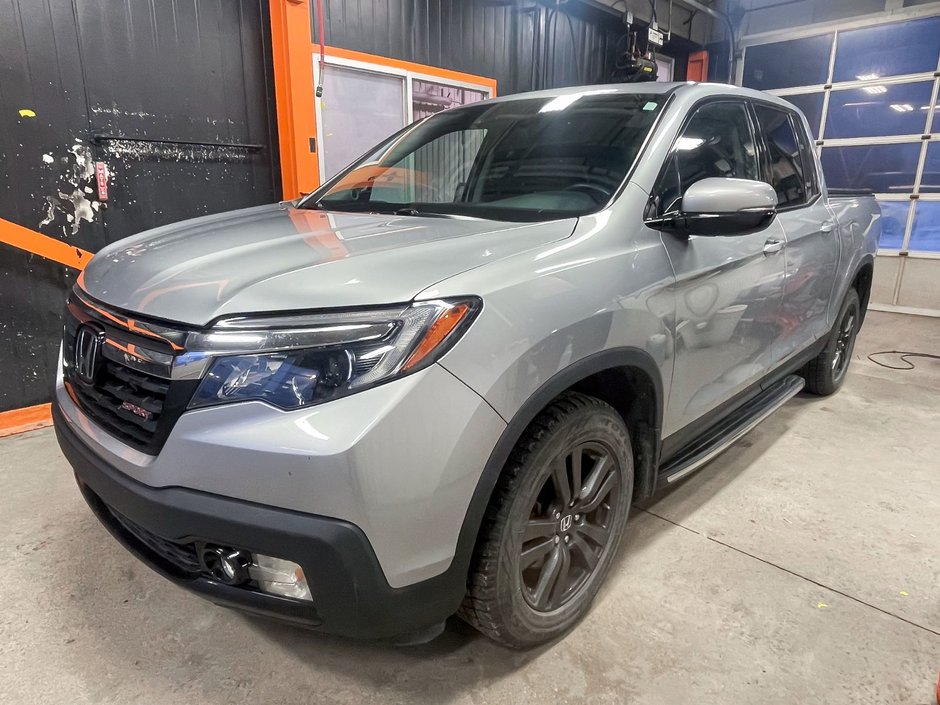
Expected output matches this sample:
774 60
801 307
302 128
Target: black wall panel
174 97
40 71
524 45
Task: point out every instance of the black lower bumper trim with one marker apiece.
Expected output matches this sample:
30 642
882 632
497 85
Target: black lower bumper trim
350 594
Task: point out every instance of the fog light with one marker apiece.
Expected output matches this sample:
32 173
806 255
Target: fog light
279 577
227 565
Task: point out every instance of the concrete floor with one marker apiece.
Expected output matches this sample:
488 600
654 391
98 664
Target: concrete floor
802 566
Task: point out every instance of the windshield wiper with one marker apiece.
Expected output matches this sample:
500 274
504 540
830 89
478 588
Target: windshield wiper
367 207
411 210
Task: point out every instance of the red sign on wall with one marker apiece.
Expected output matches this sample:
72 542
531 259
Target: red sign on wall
101 175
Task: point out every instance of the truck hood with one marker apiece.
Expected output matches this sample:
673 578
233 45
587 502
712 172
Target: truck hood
276 258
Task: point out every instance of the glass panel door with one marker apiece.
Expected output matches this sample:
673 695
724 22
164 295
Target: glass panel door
358 110
430 97
870 94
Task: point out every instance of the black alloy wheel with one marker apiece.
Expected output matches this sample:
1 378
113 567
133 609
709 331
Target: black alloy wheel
553 525
844 343
569 525
825 373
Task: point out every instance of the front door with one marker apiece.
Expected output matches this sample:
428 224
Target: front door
728 290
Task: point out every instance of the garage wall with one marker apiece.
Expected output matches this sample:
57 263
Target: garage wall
523 48
869 86
172 99
524 45
686 23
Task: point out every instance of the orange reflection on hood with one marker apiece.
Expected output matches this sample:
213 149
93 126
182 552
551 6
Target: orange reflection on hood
318 232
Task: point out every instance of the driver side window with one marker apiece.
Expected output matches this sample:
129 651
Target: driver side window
718 141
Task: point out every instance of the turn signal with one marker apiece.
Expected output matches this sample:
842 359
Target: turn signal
437 333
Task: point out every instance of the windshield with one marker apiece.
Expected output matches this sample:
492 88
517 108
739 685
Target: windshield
525 160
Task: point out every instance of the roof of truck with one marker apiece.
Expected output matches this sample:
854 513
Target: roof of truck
688 92
649 87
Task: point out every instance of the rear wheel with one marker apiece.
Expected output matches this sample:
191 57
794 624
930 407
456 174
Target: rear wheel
553 525
826 372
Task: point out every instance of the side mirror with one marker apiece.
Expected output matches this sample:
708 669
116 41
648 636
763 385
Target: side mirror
720 206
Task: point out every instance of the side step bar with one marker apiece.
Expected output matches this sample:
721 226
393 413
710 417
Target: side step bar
731 428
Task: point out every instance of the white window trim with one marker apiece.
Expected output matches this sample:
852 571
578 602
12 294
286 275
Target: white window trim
813 30
406 75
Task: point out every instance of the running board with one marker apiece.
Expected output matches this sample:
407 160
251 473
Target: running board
731 428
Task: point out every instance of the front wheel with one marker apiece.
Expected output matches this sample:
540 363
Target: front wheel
826 372
554 524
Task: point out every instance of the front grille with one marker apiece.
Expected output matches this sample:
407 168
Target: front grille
113 388
181 558
137 408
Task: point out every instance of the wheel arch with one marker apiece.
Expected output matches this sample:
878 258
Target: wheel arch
626 378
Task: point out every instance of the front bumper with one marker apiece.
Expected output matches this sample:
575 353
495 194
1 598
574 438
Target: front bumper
351 595
400 461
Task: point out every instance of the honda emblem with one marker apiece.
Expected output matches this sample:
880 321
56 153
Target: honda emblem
88 342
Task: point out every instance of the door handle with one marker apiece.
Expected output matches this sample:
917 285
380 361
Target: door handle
827 227
773 246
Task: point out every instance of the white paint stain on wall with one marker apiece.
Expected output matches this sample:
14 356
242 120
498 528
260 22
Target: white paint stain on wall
134 150
70 198
84 167
114 110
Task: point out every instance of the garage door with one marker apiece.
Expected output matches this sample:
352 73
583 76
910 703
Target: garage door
870 94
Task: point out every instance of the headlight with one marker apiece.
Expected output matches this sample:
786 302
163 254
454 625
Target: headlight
298 361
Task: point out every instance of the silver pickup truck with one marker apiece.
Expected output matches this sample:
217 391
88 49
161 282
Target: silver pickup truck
437 384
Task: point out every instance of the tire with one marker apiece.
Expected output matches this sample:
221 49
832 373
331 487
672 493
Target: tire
573 537
825 373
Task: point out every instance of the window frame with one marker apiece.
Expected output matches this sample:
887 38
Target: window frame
806 153
364 62
698 105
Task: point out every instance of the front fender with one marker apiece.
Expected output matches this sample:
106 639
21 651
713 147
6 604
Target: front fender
555 316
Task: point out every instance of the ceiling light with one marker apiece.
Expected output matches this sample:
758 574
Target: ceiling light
868 77
560 103
563 101
902 107
875 90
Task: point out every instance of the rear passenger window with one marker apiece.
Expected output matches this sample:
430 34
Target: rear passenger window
717 142
786 158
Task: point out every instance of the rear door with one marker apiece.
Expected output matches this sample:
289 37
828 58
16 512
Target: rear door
728 290
812 252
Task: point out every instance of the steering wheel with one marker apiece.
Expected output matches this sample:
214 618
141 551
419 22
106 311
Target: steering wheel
598 193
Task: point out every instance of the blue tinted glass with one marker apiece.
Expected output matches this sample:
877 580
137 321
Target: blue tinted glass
879 110
925 235
799 62
930 183
886 168
888 50
893 223
811 105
